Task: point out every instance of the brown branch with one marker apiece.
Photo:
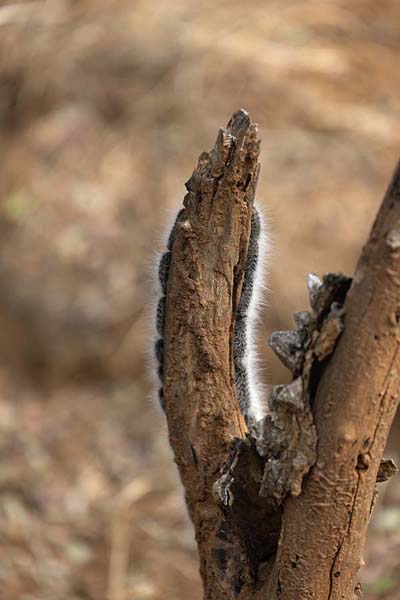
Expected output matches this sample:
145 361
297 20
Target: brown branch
246 491
324 528
204 286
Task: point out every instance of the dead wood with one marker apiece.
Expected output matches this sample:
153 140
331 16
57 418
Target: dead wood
324 529
204 286
245 491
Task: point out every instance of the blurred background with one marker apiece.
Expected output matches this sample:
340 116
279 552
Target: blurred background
104 108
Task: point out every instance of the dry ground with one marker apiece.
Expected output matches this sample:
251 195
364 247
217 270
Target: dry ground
104 109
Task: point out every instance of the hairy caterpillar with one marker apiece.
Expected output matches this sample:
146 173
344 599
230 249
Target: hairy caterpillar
248 390
163 272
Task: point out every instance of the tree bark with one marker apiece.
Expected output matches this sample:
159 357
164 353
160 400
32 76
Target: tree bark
324 529
237 513
204 286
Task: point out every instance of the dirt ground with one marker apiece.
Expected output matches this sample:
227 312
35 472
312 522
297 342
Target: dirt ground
104 109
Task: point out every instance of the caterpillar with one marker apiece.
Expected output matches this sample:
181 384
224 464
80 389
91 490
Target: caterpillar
248 389
163 273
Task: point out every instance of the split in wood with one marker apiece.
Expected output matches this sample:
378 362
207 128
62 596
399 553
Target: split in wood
285 440
238 538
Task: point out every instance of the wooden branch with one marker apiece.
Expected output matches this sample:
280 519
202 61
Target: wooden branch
246 491
204 284
324 529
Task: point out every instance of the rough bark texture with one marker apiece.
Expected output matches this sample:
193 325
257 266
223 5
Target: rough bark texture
324 529
263 531
204 285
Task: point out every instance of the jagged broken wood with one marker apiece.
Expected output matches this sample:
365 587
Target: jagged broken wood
205 279
328 426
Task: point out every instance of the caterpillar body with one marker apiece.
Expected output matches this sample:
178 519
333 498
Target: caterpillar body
248 389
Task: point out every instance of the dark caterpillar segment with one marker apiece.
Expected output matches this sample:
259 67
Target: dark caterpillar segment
160 315
163 274
163 270
161 398
251 265
242 390
240 341
159 351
